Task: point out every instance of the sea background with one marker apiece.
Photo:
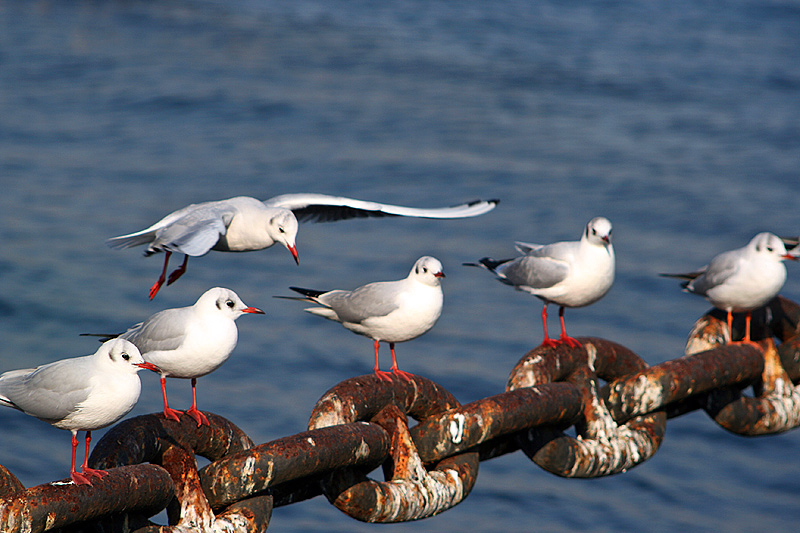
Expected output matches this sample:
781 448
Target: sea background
678 120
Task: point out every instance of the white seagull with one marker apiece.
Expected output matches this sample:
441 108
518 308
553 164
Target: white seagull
388 311
569 274
244 224
741 280
79 394
190 342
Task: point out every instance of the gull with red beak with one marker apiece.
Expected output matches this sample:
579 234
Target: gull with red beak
244 224
190 342
569 274
79 394
388 311
741 280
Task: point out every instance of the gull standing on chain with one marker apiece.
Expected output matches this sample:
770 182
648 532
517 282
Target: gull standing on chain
569 274
244 224
388 311
79 394
741 280
190 342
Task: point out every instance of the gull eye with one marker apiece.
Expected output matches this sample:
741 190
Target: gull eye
126 356
280 228
230 304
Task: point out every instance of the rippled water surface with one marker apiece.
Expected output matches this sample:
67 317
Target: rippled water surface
679 121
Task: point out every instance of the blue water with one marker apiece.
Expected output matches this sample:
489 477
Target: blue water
679 121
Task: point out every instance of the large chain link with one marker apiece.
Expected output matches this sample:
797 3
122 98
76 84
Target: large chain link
617 405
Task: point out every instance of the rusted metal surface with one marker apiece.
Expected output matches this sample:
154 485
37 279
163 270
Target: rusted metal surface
459 429
414 492
312 452
362 423
775 404
411 491
362 397
774 409
173 445
143 439
603 447
658 386
785 318
139 489
9 484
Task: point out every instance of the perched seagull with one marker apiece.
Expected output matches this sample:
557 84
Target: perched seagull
79 394
190 342
388 311
741 280
245 224
569 274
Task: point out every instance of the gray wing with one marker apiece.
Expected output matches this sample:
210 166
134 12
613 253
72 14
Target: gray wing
325 208
718 271
533 271
50 392
193 230
371 300
165 330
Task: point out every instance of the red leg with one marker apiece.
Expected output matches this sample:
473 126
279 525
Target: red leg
403 375
548 342
383 376
157 285
169 414
178 272
90 472
747 327
566 339
747 320
199 417
78 479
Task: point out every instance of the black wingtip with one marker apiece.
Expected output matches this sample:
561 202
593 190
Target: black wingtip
493 201
310 293
102 337
488 263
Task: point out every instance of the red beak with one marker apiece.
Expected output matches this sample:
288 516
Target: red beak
148 366
790 257
255 310
293 251
439 275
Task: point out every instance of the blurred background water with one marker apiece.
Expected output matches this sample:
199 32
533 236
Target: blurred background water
677 120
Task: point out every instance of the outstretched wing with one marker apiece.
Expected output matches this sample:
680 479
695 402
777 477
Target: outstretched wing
325 208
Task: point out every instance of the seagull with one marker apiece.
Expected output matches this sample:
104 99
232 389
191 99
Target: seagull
388 311
190 342
741 280
569 274
244 224
79 394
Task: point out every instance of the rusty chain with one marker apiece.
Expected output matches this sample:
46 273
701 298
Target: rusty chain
617 404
